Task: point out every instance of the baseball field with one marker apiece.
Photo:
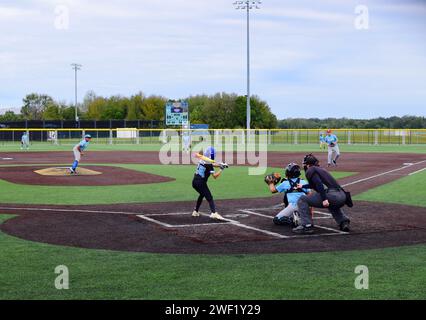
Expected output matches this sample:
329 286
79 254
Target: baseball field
127 231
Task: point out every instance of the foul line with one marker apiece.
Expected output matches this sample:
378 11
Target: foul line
67 210
382 174
418 171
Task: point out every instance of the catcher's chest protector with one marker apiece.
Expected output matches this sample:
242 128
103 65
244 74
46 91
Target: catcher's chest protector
293 185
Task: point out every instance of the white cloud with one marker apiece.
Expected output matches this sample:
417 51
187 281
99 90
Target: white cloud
12 13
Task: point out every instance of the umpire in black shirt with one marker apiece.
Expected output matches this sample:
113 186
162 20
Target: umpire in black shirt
329 194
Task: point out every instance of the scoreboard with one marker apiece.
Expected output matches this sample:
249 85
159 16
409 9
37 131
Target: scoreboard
177 113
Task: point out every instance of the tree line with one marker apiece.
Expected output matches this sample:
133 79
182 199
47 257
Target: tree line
221 110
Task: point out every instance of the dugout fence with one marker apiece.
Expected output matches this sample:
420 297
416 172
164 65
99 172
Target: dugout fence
70 136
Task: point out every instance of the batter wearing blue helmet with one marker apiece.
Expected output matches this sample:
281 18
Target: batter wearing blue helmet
199 183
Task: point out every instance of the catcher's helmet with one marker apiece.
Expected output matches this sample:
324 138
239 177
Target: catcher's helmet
210 153
292 171
310 159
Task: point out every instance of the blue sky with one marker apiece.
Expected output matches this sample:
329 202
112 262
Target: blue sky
308 59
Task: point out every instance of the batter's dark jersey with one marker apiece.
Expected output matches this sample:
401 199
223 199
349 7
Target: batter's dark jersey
204 171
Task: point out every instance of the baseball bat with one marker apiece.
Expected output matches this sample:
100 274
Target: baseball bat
204 158
207 159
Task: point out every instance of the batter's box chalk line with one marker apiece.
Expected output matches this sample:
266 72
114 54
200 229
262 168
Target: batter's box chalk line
234 223
326 216
151 218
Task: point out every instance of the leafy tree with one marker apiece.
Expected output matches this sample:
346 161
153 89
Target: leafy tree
134 110
52 112
153 107
95 108
35 105
10 116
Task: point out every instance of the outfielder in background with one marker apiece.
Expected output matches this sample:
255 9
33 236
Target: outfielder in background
333 148
78 152
323 144
199 183
289 216
25 141
186 140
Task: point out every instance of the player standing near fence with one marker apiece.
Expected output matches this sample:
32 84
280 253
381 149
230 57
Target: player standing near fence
333 148
25 141
78 152
323 144
186 140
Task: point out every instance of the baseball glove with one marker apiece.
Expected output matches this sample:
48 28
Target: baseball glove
332 145
274 178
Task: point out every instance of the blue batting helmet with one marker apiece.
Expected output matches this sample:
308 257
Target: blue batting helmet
210 153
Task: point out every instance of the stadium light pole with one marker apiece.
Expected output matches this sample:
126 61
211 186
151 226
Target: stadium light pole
76 68
248 5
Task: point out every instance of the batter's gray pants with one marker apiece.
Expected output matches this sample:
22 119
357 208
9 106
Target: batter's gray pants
336 198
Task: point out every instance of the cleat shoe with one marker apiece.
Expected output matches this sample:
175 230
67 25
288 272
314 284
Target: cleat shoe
195 214
344 226
217 216
284 221
335 163
72 171
308 229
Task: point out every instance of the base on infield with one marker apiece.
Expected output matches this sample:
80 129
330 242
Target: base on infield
63 171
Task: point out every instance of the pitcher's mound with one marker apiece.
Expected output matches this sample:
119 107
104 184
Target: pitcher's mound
66 172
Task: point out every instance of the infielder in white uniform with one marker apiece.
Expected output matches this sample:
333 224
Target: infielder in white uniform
25 141
186 140
333 148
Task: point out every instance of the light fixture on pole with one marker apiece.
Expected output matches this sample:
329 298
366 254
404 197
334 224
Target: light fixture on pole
76 68
248 5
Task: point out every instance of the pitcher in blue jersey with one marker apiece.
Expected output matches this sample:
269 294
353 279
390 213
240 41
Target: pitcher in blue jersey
78 152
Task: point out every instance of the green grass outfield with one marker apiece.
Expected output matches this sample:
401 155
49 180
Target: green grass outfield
235 183
408 190
43 147
27 269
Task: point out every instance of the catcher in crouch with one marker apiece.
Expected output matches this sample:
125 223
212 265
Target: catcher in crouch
205 169
289 216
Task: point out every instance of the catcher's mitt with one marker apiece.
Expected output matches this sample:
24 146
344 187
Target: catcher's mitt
274 178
